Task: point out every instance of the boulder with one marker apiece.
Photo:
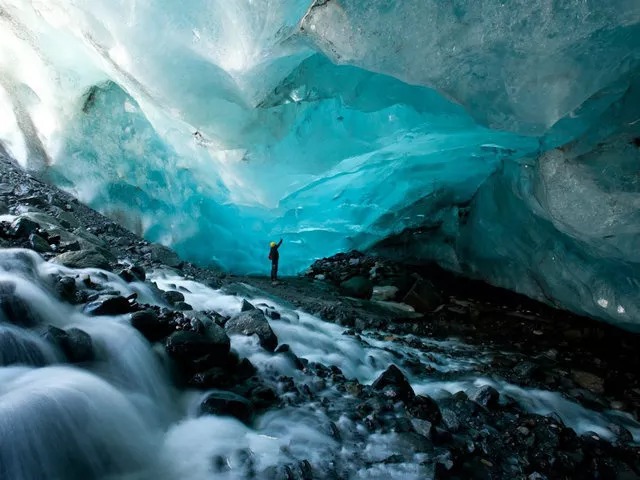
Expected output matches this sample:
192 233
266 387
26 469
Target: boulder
422 297
164 255
285 351
250 323
66 289
23 227
394 384
183 306
75 344
246 306
589 381
197 352
14 309
67 220
39 244
228 404
149 324
357 287
385 293
172 297
272 313
108 305
487 396
83 259
425 408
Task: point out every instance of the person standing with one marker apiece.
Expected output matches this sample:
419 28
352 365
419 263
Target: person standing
274 256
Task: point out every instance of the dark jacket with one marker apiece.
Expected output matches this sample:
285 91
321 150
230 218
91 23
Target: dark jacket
274 254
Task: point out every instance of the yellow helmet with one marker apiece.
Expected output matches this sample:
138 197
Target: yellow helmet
272 244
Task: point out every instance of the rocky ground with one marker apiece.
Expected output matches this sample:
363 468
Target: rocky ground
477 433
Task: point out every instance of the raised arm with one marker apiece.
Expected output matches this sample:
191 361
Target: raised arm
279 243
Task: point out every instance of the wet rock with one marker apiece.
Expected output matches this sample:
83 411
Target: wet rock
227 403
183 306
149 324
14 309
246 306
196 352
422 427
67 220
394 384
253 323
423 297
23 227
589 381
75 344
450 420
172 297
285 351
79 346
108 305
357 287
425 408
66 289
622 434
272 313
138 272
385 293
38 243
83 259
487 396
164 255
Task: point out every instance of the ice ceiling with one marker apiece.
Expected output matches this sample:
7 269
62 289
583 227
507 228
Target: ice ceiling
499 138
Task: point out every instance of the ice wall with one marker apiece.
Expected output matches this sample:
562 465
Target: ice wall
217 126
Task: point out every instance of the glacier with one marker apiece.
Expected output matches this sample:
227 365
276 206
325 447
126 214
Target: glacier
499 139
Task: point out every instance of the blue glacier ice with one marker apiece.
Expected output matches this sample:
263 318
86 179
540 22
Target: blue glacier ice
496 138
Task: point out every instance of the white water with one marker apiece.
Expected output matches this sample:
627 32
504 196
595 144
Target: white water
120 418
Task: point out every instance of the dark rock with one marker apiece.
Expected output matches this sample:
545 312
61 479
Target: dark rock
589 381
450 420
227 403
394 384
357 287
172 297
23 227
197 352
425 408
38 243
138 272
127 276
253 323
183 307
83 259
164 255
14 309
108 305
487 396
286 351
622 434
75 344
149 324
272 313
422 427
246 306
66 289
67 220
7 287
79 346
423 297
35 201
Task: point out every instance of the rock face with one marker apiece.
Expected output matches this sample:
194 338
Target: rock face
149 324
394 384
227 403
358 287
253 322
83 259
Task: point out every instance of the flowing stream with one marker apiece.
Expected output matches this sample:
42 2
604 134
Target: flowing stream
119 416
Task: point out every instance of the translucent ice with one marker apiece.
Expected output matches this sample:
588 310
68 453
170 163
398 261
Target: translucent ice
217 126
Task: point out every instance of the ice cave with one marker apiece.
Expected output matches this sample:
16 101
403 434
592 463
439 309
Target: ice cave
496 138
456 184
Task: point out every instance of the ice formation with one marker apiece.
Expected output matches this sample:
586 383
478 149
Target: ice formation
497 138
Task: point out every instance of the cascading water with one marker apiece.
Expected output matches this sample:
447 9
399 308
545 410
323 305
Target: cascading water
118 416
